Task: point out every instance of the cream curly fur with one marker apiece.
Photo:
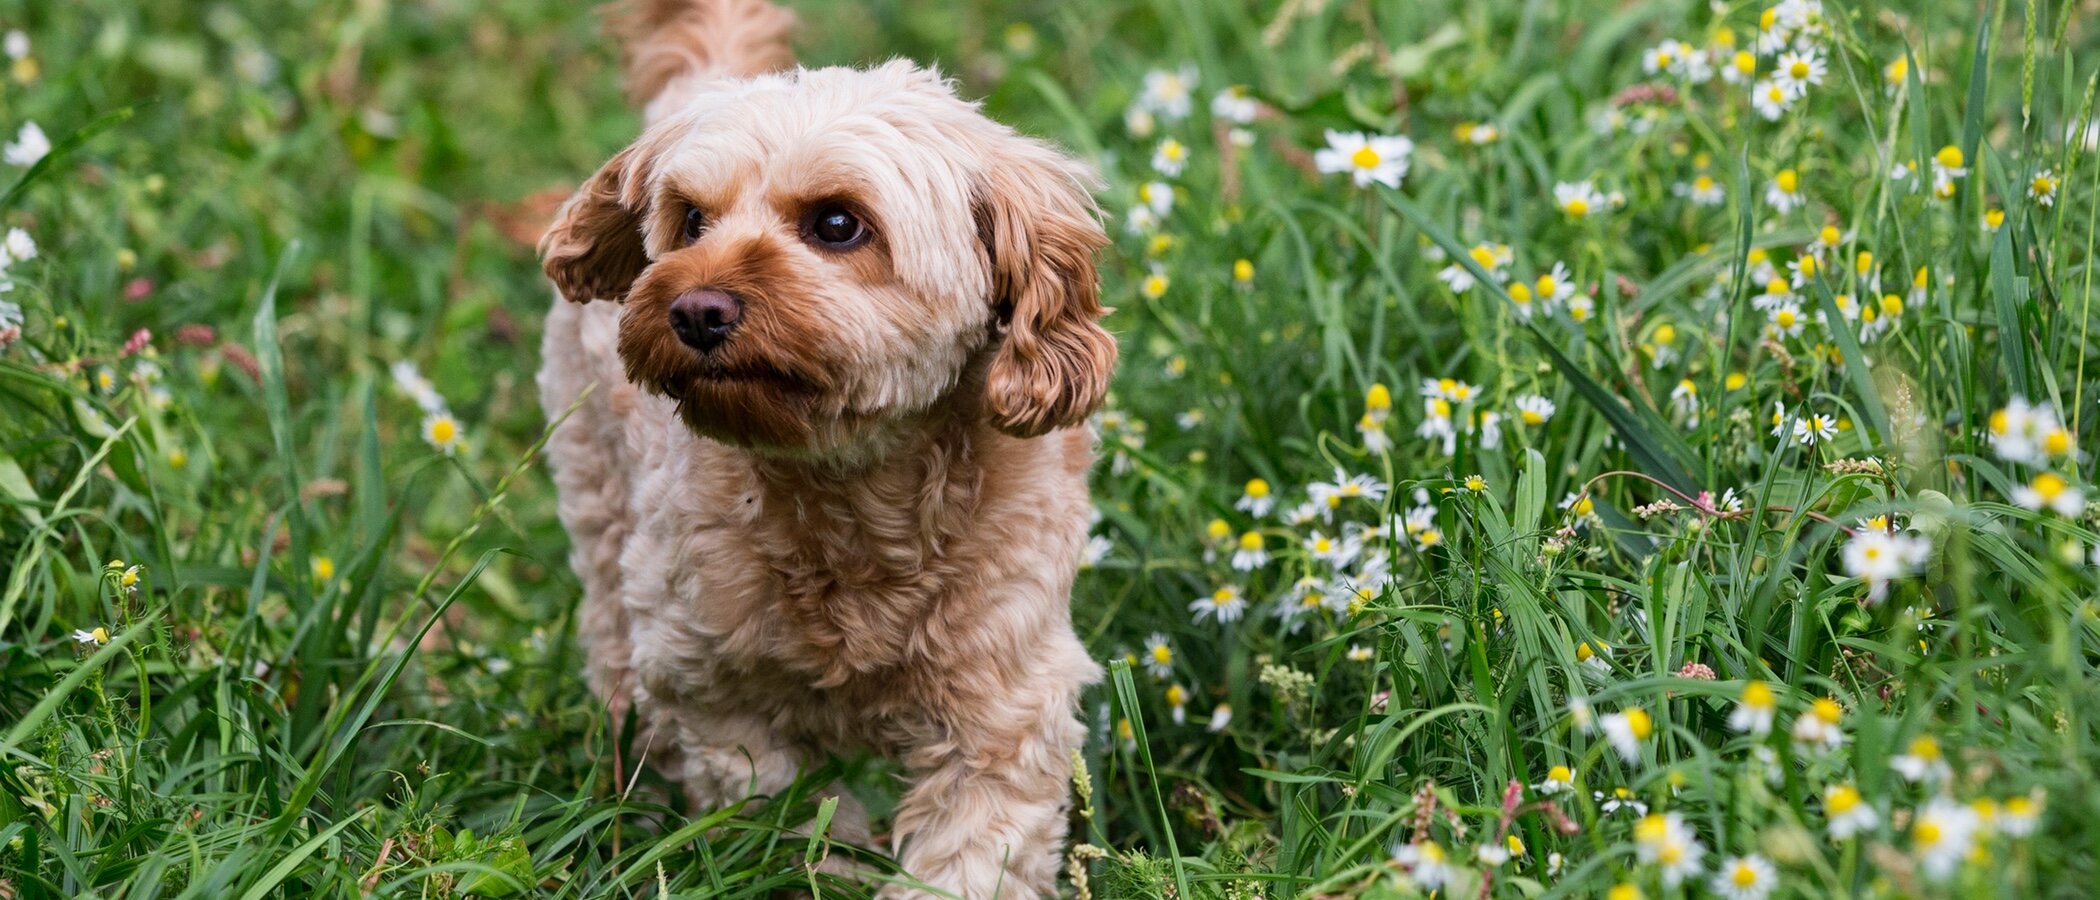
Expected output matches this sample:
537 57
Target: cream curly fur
854 526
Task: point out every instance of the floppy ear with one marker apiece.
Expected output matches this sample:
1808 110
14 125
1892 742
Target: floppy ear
1040 229
594 249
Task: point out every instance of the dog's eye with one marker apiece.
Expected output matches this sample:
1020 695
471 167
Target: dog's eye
695 223
837 229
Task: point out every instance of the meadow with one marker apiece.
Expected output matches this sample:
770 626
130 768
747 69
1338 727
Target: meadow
1562 448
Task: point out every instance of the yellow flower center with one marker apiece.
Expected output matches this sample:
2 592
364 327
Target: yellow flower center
100 634
1242 270
1925 748
1561 774
1758 695
1927 834
1251 541
1520 294
1785 318
1578 206
1162 654
1584 507
1365 157
1744 875
1746 62
1778 287
1799 69
1950 157
1843 799
2049 486
1218 529
1532 417
2057 442
443 431
1828 710
1639 724
1484 255
1788 180
1258 488
2044 185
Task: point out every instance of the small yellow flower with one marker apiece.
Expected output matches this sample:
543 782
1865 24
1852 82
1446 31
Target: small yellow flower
1476 484
324 569
1735 381
1154 286
1242 270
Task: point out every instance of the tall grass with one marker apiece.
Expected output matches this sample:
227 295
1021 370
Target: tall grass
336 652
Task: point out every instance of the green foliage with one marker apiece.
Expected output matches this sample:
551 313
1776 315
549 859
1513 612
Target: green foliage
269 443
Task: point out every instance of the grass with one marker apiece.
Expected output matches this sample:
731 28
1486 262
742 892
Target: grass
336 660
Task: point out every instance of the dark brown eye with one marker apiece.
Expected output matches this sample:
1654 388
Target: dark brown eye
837 229
695 223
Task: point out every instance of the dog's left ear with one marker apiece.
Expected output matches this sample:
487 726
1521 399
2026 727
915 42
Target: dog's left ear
1040 230
594 248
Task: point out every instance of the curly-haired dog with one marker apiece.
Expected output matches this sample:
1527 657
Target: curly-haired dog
830 492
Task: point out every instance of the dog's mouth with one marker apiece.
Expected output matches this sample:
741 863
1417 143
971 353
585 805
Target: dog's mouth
752 373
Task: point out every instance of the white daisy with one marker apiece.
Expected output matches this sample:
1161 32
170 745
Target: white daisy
1380 159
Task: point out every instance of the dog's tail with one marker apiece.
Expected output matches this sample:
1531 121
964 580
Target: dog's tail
670 42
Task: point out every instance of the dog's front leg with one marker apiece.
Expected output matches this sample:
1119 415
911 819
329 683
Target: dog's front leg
986 817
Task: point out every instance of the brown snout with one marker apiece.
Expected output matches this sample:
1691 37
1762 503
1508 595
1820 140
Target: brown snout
704 318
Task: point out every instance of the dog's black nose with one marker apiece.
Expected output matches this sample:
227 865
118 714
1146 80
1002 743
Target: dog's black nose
703 319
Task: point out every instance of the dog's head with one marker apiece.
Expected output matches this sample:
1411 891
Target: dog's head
809 260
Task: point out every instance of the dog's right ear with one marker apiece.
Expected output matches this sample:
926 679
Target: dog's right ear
594 249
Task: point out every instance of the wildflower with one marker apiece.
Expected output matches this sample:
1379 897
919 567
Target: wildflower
1425 862
1755 709
1786 321
1818 729
1475 484
1940 836
1381 159
1476 133
323 569
1096 550
1256 499
1684 401
1814 428
1879 557
1993 219
1798 70
1157 196
1167 92
1947 165
2042 188
1578 199
1896 73
1581 715
1581 308
29 145
1154 286
1771 99
1847 813
1579 505
1346 487
443 432
1491 855
1624 890
97 637
18 247
1126 735
1784 193
1170 157
1235 104
1242 272
1226 603
2020 816
1664 841
1619 799
1746 878
1555 287
2050 491
1702 190
1159 656
1490 257
1921 761
1627 730
417 388
1664 57
1559 780
1534 410
1333 551
1177 703
1252 554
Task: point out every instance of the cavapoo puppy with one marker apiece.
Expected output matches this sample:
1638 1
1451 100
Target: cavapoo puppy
835 338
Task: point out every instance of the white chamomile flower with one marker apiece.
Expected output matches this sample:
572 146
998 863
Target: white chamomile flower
1367 158
1702 190
94 638
1755 710
1745 878
1256 499
1167 92
1846 812
442 431
1235 104
1627 730
1941 835
1226 604
1220 716
1096 550
1921 761
1784 192
1579 199
1559 780
1253 552
1799 70
29 145
1159 656
1771 99
1666 842
1426 864
1170 157
1534 410
1157 196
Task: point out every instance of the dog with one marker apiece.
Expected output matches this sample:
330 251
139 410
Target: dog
832 340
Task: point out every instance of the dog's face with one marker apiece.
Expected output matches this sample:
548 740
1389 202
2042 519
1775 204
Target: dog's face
810 261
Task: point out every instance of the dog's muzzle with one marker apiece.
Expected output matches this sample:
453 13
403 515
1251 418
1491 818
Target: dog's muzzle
704 318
